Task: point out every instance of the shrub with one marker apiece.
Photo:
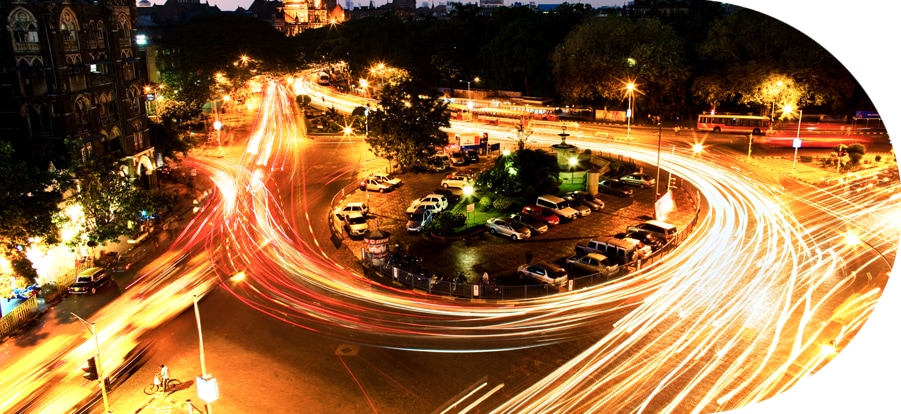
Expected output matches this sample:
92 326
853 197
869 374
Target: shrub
485 203
806 158
502 203
447 221
878 158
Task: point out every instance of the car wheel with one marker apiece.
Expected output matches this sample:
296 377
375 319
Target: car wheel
93 290
522 275
514 237
445 186
642 186
492 231
569 267
381 190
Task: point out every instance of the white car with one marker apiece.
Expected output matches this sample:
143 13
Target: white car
456 181
639 180
432 206
438 199
372 184
387 178
544 272
355 224
512 229
352 207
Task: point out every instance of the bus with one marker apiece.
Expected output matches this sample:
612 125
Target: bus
742 124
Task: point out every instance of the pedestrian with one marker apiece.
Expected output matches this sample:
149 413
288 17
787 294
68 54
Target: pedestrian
485 278
164 376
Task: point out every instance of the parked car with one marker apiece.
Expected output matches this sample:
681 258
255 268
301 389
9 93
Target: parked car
659 229
355 224
432 206
543 272
89 280
388 178
472 156
534 225
542 214
459 159
107 259
592 263
583 209
352 207
372 184
419 219
585 198
639 180
615 187
511 229
436 163
438 199
456 181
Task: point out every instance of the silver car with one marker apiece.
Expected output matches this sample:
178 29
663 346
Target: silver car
585 198
355 224
511 229
544 272
592 263
534 225
639 180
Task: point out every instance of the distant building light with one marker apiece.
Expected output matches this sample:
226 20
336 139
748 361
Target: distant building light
141 40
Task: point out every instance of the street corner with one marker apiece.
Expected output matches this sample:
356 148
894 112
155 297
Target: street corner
170 403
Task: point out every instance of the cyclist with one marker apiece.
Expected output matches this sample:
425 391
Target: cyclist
164 376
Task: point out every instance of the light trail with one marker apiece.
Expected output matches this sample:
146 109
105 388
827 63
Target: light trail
738 313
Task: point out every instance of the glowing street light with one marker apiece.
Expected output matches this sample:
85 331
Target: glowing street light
573 161
630 89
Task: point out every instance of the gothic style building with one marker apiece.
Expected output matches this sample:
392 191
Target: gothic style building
70 68
292 17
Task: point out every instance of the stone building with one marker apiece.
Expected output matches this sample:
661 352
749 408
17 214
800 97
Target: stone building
70 68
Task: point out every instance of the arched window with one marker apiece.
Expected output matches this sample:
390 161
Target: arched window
82 111
100 34
124 30
68 30
134 100
128 65
24 29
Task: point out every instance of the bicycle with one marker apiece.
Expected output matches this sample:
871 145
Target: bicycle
157 385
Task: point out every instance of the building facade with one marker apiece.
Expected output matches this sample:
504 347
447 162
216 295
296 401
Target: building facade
70 69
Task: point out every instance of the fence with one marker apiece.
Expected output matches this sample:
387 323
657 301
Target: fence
50 292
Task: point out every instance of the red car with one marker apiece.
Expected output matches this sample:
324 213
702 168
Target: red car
541 214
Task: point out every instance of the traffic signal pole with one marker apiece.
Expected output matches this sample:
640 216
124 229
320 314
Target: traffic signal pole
100 378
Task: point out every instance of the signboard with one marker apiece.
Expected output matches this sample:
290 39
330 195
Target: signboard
796 143
866 115
207 389
470 207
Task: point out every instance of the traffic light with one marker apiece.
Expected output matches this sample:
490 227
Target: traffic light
90 371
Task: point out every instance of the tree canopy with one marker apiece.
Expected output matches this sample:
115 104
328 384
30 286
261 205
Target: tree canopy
405 126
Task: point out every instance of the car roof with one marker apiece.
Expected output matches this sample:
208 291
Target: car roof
355 203
353 214
90 271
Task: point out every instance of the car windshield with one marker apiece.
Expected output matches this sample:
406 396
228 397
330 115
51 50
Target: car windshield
356 220
83 279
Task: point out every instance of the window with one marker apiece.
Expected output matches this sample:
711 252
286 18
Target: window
68 30
24 31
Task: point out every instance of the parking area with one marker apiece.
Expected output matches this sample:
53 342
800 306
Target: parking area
499 256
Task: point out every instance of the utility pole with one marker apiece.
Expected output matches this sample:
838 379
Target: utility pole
100 378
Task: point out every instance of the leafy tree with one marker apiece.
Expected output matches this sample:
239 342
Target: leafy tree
111 202
165 139
598 58
30 200
753 59
406 124
525 168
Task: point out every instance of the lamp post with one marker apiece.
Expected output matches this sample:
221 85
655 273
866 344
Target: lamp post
93 329
630 88
366 159
572 164
469 91
797 142
659 137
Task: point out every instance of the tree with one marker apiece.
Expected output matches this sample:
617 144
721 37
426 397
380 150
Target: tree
406 124
756 60
525 168
165 139
30 200
110 201
598 58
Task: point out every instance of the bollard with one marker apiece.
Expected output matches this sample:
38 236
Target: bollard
190 406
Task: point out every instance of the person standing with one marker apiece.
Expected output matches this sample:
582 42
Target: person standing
164 376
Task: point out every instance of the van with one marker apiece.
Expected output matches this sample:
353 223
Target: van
558 205
619 251
656 228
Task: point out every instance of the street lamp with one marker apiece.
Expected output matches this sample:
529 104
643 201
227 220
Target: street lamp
469 91
573 161
100 379
797 142
630 88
